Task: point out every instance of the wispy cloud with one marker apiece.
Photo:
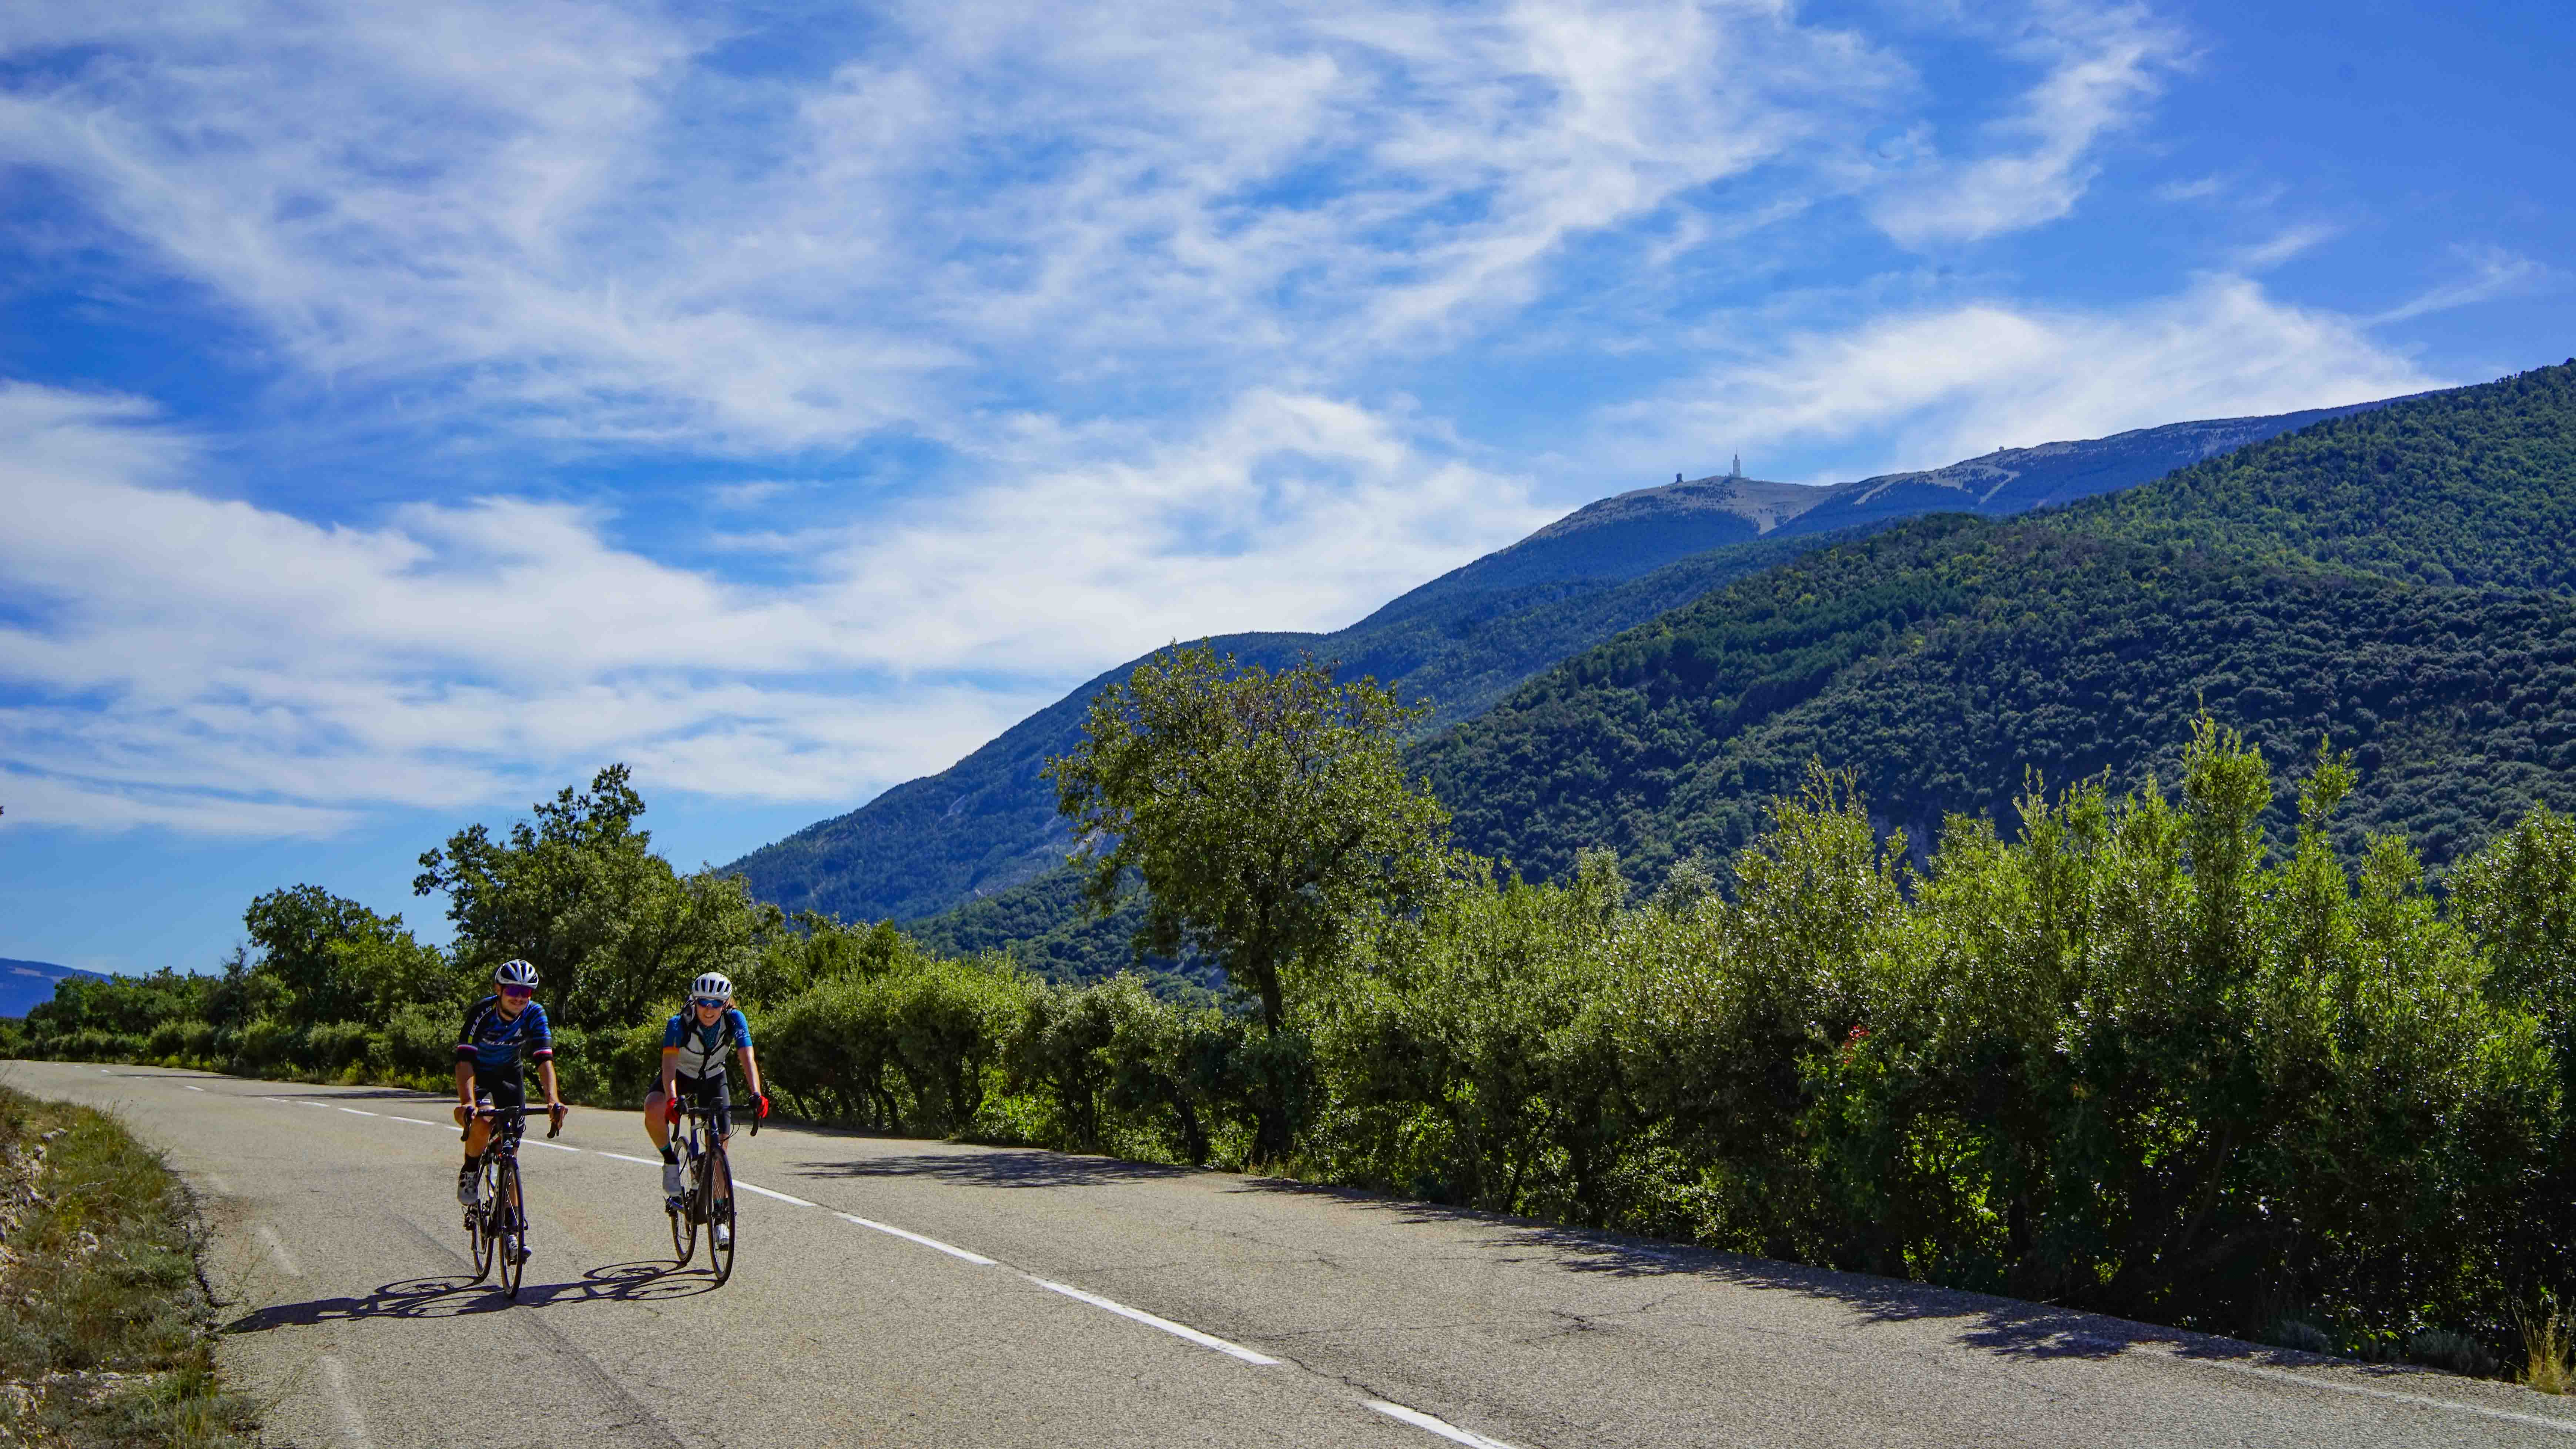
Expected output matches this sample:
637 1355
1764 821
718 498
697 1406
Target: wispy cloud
2492 273
2290 243
1960 381
2099 67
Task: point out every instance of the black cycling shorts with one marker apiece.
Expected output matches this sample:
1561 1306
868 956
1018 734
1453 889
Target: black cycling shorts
712 1095
503 1087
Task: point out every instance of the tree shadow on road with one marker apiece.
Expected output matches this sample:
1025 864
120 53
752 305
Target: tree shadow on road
454 1295
2005 1326
995 1167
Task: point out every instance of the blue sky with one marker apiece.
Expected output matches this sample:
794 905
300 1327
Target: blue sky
406 409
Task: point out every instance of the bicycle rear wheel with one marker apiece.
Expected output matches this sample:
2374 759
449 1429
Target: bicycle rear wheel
511 1216
720 1244
684 1225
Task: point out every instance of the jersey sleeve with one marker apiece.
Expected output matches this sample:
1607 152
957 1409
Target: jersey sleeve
465 1034
672 1034
541 1036
741 1027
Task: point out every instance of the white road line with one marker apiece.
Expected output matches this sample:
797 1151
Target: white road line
300 1102
953 1252
2563 1426
415 1121
1441 1427
1177 1330
356 1113
765 1192
192 1089
622 1157
353 1426
557 1146
277 1250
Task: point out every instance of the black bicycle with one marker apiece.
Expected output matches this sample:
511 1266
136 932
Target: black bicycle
497 1224
707 1199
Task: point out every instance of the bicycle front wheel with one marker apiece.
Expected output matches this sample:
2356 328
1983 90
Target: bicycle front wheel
684 1226
478 1226
511 1215
720 1228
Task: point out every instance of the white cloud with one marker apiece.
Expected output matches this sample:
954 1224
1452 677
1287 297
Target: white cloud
213 665
568 217
1930 386
2101 65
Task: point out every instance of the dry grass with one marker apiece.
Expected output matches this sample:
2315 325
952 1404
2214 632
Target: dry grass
2546 1345
105 1332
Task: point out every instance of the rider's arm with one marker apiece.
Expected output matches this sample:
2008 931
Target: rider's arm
751 1069
541 1050
546 1074
465 1059
670 1072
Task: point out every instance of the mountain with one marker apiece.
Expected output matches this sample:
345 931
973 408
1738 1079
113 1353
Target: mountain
25 984
2396 581
1461 641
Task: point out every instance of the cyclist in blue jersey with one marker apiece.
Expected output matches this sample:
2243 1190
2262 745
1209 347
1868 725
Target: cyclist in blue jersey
695 1045
502 1032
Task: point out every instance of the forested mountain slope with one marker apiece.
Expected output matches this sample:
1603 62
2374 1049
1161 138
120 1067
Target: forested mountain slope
2285 588
1460 641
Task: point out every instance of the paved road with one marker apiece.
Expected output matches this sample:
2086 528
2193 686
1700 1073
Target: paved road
908 1293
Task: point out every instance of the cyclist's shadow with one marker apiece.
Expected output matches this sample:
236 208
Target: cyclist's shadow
453 1295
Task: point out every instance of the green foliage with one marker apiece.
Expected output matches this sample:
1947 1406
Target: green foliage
2126 1060
1263 812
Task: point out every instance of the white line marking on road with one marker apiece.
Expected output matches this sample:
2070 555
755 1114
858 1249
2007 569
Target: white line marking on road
353 1427
277 1250
356 1113
954 1252
302 1103
2563 1426
622 1157
192 1089
557 1146
1441 1427
765 1192
1177 1330
415 1121
104 1072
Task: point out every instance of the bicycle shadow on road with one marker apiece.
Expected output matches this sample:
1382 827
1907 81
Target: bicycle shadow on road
453 1295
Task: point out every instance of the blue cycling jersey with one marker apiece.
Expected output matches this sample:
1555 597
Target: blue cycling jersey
491 1040
703 1048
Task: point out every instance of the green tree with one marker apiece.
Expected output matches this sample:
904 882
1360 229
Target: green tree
333 959
613 930
1267 815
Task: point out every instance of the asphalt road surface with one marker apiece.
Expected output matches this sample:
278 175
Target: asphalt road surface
913 1293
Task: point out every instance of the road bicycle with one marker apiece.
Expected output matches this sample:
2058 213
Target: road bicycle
708 1198
497 1224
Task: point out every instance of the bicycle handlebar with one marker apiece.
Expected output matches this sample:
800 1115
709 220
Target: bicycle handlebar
553 1128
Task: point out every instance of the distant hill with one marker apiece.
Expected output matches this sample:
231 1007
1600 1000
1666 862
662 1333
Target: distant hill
2397 581
25 984
1462 641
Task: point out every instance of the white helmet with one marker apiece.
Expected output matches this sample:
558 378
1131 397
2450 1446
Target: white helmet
714 986
514 973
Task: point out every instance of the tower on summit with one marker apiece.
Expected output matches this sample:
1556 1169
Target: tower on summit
1739 467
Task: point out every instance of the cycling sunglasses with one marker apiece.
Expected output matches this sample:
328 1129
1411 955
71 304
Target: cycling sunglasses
518 993
706 1001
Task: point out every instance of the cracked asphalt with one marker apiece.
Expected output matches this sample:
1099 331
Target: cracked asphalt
921 1293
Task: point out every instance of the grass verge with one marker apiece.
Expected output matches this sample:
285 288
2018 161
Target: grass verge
106 1335
2550 1355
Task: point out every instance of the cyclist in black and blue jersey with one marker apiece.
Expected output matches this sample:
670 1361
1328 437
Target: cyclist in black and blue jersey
695 1044
502 1032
